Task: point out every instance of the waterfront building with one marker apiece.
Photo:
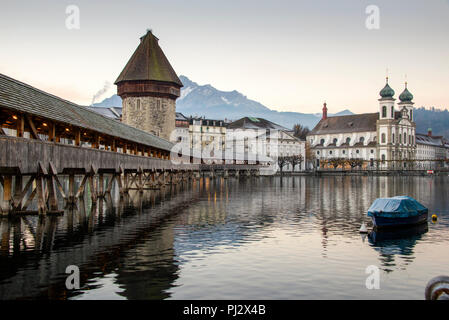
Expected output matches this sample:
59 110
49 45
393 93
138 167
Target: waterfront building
149 87
432 151
262 138
384 139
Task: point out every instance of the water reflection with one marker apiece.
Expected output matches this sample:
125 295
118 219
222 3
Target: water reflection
150 245
396 243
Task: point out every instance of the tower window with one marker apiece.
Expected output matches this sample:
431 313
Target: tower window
335 140
348 140
384 112
411 115
138 104
393 139
383 138
405 138
392 112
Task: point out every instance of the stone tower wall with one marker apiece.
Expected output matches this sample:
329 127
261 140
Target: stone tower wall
152 114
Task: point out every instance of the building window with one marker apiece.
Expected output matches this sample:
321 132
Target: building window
348 140
138 104
317 152
362 139
392 112
330 152
344 151
411 115
383 138
405 138
393 139
372 151
383 158
357 151
384 112
335 140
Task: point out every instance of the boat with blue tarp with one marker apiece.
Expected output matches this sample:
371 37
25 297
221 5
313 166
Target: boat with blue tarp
397 211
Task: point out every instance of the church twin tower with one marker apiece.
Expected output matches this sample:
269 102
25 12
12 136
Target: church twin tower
149 87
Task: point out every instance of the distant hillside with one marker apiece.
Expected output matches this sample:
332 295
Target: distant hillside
437 120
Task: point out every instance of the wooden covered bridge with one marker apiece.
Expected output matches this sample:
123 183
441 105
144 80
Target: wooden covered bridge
43 137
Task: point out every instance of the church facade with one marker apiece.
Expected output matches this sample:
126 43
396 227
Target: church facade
384 139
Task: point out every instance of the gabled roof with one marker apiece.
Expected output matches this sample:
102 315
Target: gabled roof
255 123
436 141
346 124
18 96
149 63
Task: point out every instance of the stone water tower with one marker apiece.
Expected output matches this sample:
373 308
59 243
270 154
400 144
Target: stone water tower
149 87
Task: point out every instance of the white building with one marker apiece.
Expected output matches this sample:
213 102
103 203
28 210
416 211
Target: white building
261 138
387 135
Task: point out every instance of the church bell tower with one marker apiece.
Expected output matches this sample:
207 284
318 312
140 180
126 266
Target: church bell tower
149 87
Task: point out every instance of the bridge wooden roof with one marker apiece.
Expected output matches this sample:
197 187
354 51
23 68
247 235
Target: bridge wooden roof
20 97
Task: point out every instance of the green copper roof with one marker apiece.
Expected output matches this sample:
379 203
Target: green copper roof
406 96
149 63
387 92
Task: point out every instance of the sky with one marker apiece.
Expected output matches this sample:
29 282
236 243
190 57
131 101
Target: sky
287 55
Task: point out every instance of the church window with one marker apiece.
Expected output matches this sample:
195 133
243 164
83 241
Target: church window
384 112
405 138
322 141
317 152
383 158
372 151
344 151
335 140
393 139
383 138
357 151
348 140
138 104
392 112
411 115
330 152
362 139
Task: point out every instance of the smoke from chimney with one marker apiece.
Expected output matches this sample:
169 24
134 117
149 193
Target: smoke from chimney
101 92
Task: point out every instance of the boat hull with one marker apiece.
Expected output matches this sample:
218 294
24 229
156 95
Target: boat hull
384 222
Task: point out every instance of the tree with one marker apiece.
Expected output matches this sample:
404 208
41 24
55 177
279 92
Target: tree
310 156
282 161
295 160
300 132
335 162
355 162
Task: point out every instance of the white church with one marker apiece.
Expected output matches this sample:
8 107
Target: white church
386 135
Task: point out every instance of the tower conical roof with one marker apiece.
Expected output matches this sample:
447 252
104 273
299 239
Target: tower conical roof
148 63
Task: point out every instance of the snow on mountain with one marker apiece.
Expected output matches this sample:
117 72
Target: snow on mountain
205 100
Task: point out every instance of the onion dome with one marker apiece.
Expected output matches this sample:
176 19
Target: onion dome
387 92
406 96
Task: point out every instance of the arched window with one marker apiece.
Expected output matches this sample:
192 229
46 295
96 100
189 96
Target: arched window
400 138
335 140
405 138
393 139
384 112
138 104
392 112
322 141
383 138
383 158
362 139
348 140
411 115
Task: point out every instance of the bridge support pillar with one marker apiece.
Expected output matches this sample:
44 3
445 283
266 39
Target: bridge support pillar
7 190
225 174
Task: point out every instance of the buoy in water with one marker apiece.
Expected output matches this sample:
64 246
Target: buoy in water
363 228
434 217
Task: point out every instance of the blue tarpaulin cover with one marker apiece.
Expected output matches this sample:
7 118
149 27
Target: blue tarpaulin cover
396 207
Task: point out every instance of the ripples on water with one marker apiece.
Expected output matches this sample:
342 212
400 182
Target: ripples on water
257 238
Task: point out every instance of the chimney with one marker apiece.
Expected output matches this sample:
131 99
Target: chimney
429 132
324 111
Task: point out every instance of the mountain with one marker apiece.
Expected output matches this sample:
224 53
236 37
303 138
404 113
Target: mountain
205 100
435 119
113 101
